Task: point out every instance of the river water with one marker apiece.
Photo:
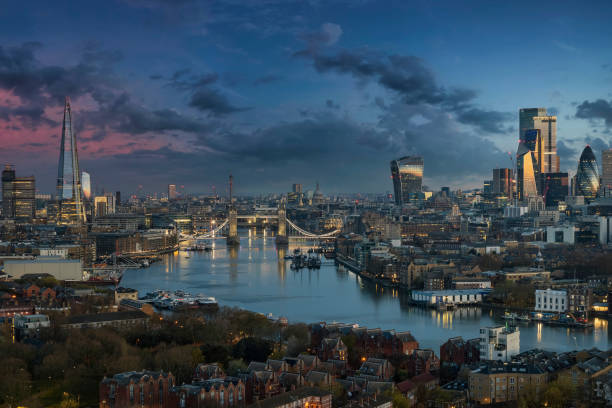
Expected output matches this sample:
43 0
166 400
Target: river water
256 277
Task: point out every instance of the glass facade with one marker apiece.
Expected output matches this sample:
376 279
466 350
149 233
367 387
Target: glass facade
547 125
527 173
555 187
606 172
502 182
587 176
407 175
86 182
69 193
8 193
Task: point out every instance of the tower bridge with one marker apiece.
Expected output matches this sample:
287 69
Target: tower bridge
286 228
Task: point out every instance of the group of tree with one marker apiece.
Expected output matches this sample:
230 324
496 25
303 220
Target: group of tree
62 367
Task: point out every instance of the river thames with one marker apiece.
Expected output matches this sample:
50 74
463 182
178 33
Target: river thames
257 277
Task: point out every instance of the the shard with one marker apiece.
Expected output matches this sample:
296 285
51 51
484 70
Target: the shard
69 195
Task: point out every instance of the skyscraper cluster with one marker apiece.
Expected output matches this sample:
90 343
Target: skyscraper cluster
537 163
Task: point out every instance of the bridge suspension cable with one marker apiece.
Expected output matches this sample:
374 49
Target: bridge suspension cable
310 234
213 232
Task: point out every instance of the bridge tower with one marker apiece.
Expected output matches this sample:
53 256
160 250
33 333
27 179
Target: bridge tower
232 216
281 234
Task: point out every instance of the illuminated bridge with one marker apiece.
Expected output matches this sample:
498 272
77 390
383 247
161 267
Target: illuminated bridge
287 229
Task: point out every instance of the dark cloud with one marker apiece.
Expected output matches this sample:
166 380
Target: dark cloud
123 115
212 101
331 104
413 81
39 86
202 95
596 110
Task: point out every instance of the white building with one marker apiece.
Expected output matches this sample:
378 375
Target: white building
550 300
29 323
561 234
54 252
448 297
499 343
515 211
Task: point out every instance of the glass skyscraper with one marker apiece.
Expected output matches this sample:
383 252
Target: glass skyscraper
606 172
18 196
587 176
86 183
534 124
527 173
407 175
69 193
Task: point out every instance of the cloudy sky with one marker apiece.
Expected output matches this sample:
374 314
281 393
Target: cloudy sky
279 91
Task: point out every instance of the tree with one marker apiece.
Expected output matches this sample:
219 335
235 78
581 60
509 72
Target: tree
252 349
235 366
15 385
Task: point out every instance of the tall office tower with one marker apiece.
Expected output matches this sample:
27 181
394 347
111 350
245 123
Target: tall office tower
555 188
100 206
526 122
18 196
487 188
547 125
587 176
502 182
117 197
8 193
25 198
297 188
527 173
110 203
171 191
606 172
86 184
69 193
407 175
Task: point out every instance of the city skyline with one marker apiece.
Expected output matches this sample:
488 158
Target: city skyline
320 99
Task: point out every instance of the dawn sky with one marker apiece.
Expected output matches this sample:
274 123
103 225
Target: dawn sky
282 92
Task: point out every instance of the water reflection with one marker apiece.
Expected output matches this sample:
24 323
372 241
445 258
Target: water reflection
256 276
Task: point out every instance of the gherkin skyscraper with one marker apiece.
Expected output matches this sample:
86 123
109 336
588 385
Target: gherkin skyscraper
587 176
69 195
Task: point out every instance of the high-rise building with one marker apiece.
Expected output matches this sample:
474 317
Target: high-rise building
69 193
118 197
547 125
502 182
171 191
110 203
487 188
407 175
18 196
100 206
527 173
555 187
526 122
25 198
606 172
86 184
297 188
587 176
8 193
